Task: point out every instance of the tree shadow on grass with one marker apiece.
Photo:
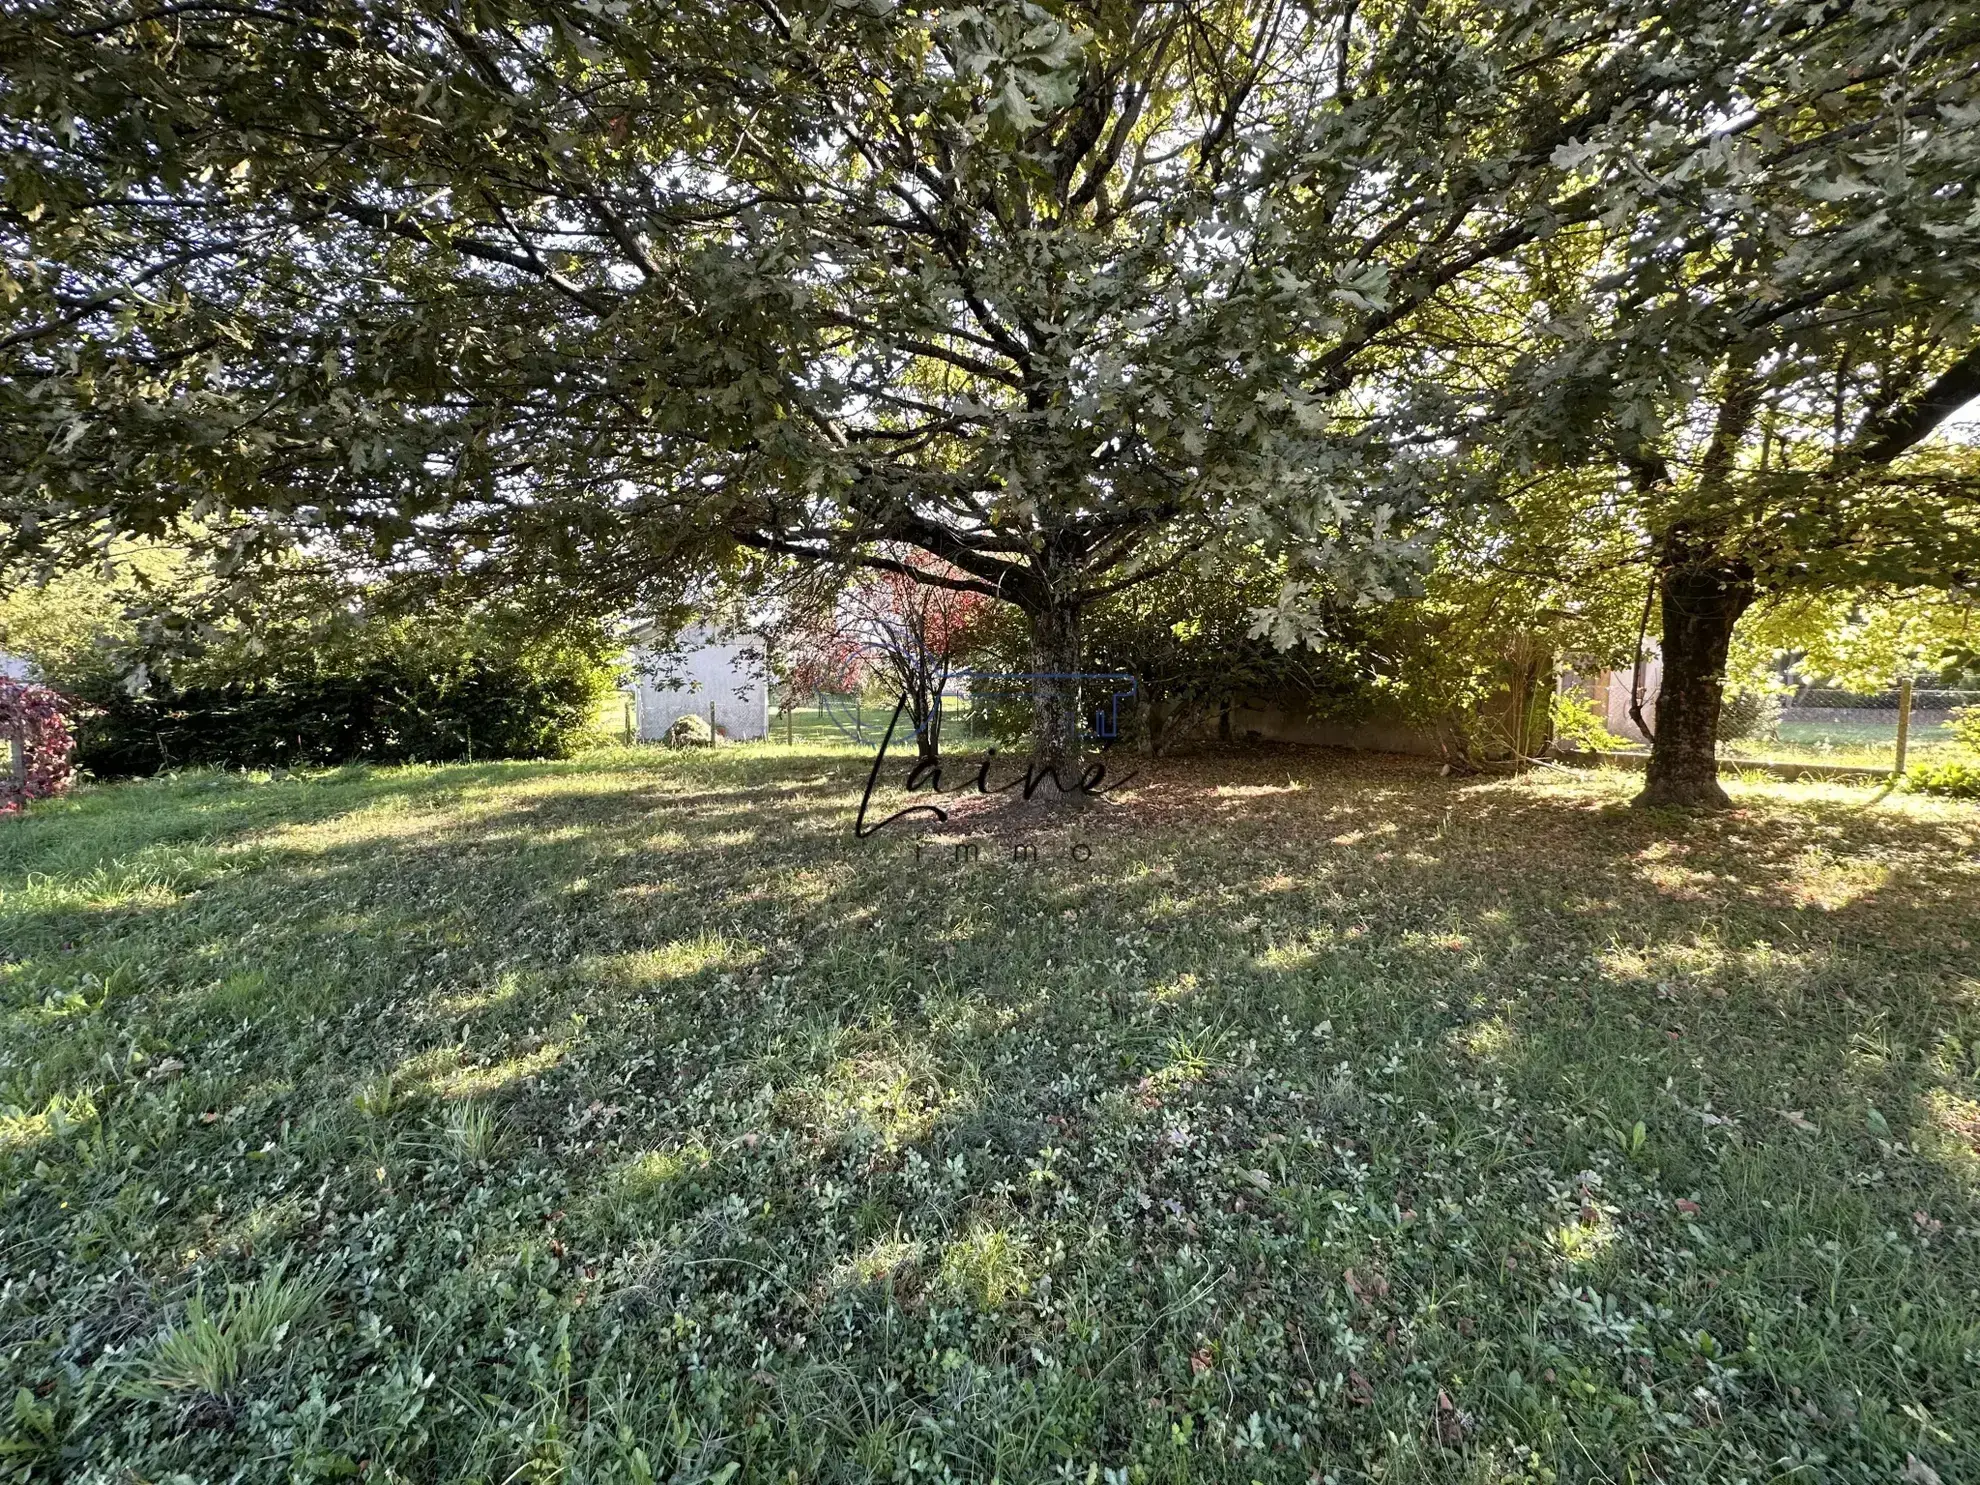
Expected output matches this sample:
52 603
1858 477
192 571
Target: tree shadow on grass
1296 1127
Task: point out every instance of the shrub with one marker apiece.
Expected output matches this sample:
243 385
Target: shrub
1957 778
1964 725
389 694
34 715
689 730
1578 725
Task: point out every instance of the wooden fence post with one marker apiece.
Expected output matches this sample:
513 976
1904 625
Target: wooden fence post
17 763
1904 724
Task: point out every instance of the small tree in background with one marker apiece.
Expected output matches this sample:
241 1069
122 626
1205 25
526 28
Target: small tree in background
913 633
897 630
813 652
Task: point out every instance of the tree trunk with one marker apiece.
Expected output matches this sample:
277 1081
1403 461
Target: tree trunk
1702 601
1455 741
925 712
928 733
1055 662
1153 716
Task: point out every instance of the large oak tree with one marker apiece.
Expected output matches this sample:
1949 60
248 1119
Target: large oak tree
578 296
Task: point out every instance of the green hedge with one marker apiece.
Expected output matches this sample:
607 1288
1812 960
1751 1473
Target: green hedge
410 707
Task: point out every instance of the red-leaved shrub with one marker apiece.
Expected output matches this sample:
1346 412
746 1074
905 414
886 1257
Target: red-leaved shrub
33 715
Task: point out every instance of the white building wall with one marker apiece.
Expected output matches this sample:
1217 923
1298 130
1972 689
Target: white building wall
1609 691
15 667
725 673
1621 683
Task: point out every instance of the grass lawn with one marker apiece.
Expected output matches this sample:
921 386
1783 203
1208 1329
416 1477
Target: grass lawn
1869 741
625 1119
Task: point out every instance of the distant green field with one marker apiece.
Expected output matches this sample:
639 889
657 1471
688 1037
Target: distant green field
856 723
1869 739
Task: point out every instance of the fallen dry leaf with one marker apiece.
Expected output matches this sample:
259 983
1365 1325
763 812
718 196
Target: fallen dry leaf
1451 1424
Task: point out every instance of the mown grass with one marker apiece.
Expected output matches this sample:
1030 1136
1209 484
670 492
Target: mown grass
625 1119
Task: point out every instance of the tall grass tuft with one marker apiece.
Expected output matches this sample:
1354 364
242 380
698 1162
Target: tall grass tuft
210 1353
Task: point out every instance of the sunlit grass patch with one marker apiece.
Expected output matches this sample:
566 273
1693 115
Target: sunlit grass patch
463 1079
1489 1040
1681 881
1952 1130
886 1260
893 1095
652 1171
469 1003
1817 878
1283 957
1698 959
681 959
665 841
1583 1239
988 1267
64 1114
1258 791
1173 991
153 876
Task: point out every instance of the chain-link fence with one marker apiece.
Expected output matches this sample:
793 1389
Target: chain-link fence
1819 724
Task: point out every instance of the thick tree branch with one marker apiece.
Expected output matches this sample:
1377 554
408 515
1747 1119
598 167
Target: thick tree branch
1884 438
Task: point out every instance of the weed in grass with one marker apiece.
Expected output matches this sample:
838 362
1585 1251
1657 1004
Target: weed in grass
207 1354
987 1268
474 1131
380 1097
